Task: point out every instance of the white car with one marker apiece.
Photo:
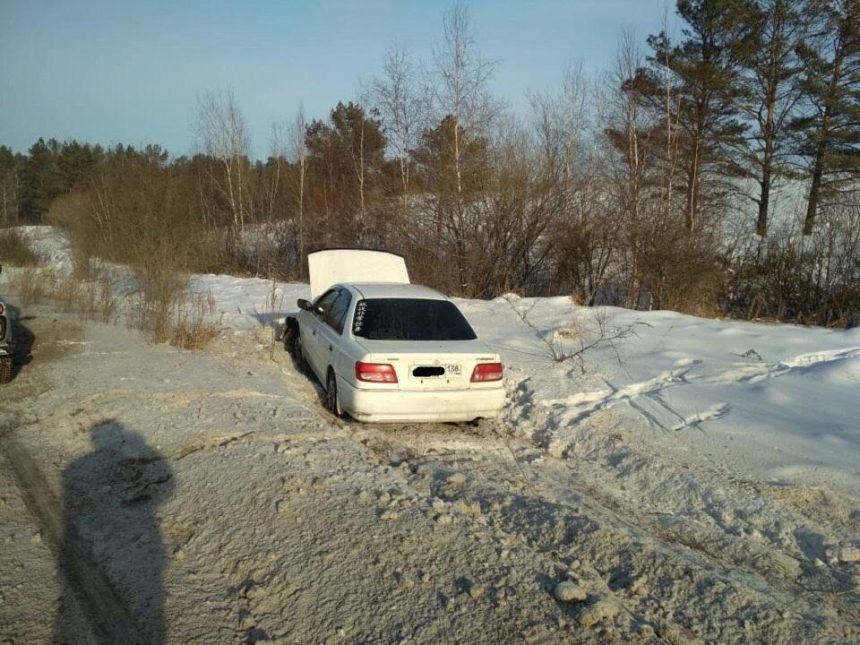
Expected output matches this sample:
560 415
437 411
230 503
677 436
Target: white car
387 350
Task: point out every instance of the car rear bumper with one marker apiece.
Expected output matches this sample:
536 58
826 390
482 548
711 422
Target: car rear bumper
382 406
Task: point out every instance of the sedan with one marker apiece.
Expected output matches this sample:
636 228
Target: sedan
391 351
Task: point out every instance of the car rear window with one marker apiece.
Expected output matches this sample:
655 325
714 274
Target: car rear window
410 319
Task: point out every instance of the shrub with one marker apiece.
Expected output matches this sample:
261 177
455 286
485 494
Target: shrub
15 250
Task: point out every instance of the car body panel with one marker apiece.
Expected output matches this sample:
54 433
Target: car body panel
333 266
405 357
387 405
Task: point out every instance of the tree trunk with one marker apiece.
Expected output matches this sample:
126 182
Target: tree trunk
814 189
763 203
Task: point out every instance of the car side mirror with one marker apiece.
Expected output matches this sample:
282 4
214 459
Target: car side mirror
303 304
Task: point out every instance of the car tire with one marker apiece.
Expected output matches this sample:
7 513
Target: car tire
293 345
332 401
5 369
292 340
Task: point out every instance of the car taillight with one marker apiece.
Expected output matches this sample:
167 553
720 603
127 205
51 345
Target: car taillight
487 372
1 307
375 372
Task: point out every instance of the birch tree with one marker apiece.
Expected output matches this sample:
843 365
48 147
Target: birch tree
464 111
300 156
394 96
223 135
461 90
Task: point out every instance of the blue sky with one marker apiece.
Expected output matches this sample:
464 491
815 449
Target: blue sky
130 72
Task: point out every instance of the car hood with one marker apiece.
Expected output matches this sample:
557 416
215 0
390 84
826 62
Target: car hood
333 266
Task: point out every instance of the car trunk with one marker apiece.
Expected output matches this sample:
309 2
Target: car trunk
439 365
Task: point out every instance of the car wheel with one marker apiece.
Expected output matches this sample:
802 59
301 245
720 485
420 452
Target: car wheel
332 402
292 340
287 338
5 369
297 353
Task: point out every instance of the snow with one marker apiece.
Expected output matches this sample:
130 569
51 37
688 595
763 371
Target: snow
50 245
681 478
779 401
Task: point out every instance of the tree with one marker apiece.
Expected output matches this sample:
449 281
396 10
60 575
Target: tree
224 137
703 70
300 155
633 133
461 89
830 128
453 164
770 68
345 164
10 186
394 97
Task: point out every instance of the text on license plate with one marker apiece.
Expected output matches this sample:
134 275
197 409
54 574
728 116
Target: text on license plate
452 369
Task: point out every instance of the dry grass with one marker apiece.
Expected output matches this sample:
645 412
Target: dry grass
184 320
15 251
92 300
178 317
33 286
193 323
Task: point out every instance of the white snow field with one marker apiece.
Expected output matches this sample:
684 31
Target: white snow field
679 480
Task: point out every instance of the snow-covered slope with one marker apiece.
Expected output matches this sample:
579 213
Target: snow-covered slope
779 402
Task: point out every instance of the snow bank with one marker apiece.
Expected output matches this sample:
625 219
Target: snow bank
48 243
778 401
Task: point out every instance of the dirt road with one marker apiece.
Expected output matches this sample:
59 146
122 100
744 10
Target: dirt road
182 497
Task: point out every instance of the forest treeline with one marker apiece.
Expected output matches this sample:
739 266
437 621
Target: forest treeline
714 173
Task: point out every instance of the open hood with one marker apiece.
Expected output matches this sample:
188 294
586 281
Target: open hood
333 266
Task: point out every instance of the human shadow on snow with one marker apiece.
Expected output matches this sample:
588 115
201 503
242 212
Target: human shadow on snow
111 553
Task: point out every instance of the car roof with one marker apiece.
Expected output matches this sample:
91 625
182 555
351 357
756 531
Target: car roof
395 290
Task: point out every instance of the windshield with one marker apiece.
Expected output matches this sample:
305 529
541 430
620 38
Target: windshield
410 319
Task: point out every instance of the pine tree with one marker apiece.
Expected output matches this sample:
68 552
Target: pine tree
770 71
703 74
830 129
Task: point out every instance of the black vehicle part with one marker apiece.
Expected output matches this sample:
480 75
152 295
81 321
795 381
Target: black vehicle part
331 402
291 334
422 372
5 369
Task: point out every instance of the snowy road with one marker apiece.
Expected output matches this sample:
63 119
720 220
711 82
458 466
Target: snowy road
218 503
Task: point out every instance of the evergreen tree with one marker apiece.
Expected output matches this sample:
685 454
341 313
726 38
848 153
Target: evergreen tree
346 159
830 128
702 75
770 71
10 185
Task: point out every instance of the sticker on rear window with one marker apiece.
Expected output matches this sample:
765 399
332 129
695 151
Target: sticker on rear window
358 319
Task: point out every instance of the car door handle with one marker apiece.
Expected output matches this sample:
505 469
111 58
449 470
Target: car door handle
314 332
330 348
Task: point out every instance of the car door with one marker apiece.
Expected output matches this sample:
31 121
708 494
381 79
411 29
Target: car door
330 333
312 343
